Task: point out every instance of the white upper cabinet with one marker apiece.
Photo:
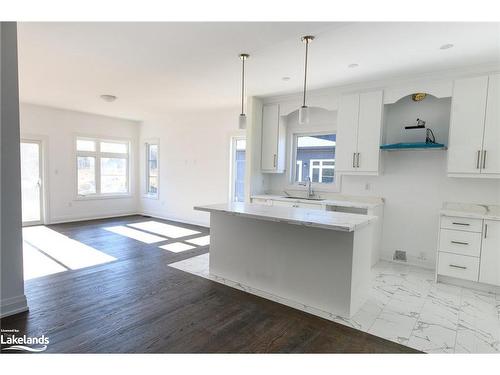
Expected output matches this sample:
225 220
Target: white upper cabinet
273 140
490 253
491 140
474 128
358 133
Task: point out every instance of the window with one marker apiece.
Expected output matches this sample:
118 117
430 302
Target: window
152 169
238 152
314 156
102 167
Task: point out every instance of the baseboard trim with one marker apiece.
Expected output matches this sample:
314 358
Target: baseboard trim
13 305
62 220
170 218
468 284
425 265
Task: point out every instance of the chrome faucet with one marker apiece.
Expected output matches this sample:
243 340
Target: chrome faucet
308 183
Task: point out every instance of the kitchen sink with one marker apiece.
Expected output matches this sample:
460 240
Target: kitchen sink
308 199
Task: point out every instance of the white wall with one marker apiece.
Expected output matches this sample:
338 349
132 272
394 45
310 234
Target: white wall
194 162
57 128
12 299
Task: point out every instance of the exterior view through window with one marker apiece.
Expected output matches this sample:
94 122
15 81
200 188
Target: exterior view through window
102 167
152 169
315 158
238 173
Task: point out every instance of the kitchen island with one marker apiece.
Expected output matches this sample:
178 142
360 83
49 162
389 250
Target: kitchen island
316 261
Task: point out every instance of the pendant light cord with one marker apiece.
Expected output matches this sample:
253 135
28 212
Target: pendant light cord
305 73
243 85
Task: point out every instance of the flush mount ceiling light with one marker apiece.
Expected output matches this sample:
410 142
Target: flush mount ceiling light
108 98
446 46
286 78
353 65
242 120
304 110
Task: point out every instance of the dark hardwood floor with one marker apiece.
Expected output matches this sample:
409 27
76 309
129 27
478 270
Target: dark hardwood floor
137 304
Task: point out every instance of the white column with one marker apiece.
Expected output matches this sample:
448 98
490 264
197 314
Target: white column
12 298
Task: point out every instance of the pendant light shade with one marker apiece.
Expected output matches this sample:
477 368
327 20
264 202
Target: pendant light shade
242 120
304 110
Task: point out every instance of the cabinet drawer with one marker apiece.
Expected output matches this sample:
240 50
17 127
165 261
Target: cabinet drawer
311 206
460 242
461 223
459 266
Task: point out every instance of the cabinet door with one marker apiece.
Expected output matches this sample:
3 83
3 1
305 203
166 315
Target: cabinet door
467 125
347 132
369 128
270 129
490 162
490 253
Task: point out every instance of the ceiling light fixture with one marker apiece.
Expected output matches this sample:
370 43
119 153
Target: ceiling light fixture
446 46
353 65
242 120
108 98
304 110
286 78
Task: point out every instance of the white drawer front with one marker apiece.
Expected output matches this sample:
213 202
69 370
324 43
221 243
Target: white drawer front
311 206
459 266
290 203
460 242
461 223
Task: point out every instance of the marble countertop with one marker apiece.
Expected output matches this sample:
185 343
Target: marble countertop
299 216
347 202
474 211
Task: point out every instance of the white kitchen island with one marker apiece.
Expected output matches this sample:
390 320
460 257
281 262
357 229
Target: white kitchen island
316 261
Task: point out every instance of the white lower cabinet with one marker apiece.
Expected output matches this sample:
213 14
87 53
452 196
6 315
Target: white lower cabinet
490 253
459 266
469 249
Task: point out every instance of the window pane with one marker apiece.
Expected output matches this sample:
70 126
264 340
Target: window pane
153 185
313 153
85 145
118 148
113 175
153 152
86 175
239 170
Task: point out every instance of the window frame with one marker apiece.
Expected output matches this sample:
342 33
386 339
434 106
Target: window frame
97 154
147 144
319 186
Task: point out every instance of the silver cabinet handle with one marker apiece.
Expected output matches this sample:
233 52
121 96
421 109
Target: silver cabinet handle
460 243
485 230
455 223
484 159
478 159
357 163
455 266
354 160
274 160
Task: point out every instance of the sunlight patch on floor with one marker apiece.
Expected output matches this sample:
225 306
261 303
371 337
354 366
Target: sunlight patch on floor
177 247
200 241
70 253
36 264
167 230
135 234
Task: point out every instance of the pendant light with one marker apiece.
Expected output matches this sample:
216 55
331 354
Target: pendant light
242 120
304 110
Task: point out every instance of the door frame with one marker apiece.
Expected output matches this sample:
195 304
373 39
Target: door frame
42 142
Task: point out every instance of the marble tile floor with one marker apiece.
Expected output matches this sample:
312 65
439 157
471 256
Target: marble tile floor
407 306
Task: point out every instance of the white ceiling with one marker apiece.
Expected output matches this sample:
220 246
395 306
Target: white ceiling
157 68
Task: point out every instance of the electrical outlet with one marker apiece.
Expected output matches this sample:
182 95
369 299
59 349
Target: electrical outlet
368 186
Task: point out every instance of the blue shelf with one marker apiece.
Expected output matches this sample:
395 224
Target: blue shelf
413 146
